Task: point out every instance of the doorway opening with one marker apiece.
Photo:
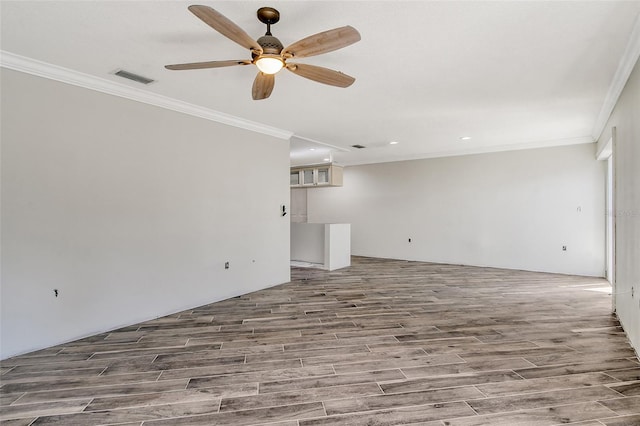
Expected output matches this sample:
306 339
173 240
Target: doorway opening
608 154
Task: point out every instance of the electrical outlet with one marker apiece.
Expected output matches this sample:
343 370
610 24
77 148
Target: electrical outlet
226 265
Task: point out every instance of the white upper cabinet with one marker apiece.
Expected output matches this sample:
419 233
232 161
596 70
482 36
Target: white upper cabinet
311 176
295 177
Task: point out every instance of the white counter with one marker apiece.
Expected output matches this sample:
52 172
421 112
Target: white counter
326 244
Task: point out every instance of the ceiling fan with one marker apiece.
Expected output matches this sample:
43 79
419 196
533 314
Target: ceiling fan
270 56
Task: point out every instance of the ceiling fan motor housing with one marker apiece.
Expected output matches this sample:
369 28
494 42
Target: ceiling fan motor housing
270 45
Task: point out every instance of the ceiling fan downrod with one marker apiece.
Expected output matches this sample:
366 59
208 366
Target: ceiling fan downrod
268 16
270 44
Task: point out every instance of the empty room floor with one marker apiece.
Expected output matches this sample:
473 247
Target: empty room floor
384 342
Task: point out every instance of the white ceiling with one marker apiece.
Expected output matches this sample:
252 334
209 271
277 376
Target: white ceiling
509 74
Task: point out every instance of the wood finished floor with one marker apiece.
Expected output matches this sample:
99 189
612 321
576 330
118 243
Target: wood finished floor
380 343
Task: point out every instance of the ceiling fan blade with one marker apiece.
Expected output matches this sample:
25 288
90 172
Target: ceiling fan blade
263 86
210 64
323 42
224 26
321 75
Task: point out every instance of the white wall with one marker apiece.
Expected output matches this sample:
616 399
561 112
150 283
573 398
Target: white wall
626 119
510 210
298 205
129 210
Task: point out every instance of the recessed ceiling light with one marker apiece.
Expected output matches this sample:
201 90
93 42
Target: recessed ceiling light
394 143
326 159
312 149
465 138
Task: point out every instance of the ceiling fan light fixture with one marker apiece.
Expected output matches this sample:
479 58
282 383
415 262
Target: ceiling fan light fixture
269 64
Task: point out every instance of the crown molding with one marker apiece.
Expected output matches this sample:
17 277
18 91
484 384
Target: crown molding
317 142
64 75
625 67
554 143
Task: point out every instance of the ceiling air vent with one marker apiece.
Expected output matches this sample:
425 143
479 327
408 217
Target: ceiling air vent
134 77
358 146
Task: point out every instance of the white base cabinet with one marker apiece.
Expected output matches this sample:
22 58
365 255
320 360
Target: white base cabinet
326 244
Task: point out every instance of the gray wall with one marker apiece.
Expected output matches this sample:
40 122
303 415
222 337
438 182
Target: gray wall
129 210
626 119
510 210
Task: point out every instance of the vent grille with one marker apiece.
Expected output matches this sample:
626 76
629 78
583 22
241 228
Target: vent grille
134 77
358 146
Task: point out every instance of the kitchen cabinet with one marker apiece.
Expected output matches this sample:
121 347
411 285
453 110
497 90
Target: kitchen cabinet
312 176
